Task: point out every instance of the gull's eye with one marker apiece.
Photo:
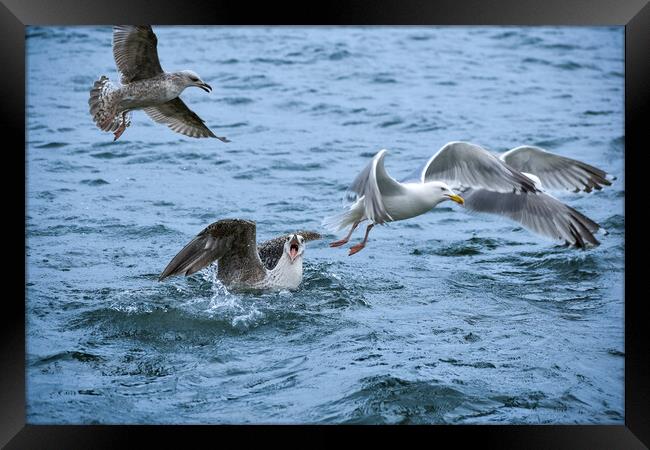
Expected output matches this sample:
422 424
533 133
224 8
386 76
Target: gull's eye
193 78
288 238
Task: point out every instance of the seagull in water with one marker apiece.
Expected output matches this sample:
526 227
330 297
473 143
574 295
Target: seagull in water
242 264
145 86
512 184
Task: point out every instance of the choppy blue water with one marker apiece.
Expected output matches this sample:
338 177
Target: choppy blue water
445 318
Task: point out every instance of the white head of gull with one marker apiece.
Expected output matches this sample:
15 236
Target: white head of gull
242 264
145 86
511 185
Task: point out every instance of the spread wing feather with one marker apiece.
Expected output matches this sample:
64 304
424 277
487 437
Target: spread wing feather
538 212
556 171
462 164
177 116
135 52
229 237
372 183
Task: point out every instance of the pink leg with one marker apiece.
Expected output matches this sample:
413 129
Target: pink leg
346 238
357 248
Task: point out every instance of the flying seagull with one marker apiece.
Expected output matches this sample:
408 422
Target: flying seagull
512 184
242 264
145 86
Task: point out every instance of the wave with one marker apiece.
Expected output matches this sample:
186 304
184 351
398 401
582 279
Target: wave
386 399
52 145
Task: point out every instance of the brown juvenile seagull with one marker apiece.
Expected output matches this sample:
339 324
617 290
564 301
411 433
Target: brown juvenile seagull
274 264
145 86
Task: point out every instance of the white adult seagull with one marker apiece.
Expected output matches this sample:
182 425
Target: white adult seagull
510 185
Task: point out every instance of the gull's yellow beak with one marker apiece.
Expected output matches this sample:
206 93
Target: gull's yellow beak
457 198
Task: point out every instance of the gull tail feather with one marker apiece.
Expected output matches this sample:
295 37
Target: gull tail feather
103 107
340 221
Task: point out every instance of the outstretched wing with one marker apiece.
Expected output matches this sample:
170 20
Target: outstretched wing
135 52
271 251
462 164
555 171
177 116
538 212
225 238
372 184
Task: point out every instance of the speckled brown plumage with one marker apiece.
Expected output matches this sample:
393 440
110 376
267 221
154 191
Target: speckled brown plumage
241 263
145 86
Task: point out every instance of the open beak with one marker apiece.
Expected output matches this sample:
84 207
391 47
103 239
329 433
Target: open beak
294 246
205 86
457 198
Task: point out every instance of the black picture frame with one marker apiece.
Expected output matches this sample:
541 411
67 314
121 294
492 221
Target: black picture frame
633 14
